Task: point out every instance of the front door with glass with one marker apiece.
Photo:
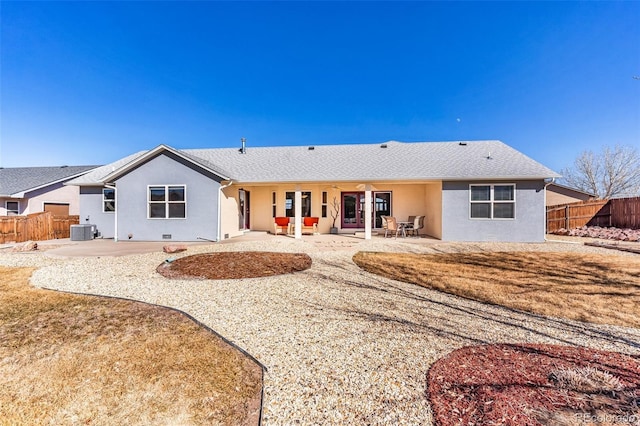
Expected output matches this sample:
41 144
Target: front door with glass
353 209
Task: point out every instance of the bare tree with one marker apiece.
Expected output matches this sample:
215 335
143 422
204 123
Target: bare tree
613 172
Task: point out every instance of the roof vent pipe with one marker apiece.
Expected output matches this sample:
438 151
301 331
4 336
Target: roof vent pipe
243 150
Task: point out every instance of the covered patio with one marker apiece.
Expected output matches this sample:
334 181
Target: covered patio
338 207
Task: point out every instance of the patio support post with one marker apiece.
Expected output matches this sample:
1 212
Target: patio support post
298 213
367 212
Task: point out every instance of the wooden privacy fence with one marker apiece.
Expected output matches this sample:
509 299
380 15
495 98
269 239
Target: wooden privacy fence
35 227
618 212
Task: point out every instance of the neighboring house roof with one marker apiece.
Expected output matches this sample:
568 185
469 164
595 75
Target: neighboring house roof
566 189
386 161
16 181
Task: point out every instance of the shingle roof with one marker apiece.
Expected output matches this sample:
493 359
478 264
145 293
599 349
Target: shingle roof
371 162
15 180
96 175
367 162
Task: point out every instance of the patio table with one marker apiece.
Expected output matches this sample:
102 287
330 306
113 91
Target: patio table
403 225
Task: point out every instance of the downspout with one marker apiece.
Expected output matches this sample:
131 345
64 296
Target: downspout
220 188
115 213
545 206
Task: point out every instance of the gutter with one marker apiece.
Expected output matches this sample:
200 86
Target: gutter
220 188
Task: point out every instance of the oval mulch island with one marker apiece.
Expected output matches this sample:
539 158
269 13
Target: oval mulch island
234 265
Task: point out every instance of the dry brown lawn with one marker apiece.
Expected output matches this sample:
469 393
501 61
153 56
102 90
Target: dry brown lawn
591 288
71 359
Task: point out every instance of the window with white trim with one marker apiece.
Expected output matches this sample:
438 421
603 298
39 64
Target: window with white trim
492 201
13 208
167 202
108 200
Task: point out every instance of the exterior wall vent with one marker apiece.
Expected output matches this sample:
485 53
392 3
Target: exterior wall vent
166 236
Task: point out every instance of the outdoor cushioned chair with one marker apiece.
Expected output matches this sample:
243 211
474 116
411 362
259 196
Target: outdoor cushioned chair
281 224
392 226
310 224
419 226
414 228
408 227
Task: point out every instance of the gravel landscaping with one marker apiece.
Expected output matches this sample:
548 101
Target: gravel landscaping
341 346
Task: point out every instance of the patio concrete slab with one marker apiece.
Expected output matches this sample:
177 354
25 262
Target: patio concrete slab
65 248
103 247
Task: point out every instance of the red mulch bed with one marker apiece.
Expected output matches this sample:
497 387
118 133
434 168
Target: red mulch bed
234 265
506 384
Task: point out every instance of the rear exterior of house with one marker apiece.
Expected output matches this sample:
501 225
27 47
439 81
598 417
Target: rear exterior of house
163 198
475 191
518 212
446 206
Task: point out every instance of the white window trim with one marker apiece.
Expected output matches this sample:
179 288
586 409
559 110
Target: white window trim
105 200
166 202
6 207
491 201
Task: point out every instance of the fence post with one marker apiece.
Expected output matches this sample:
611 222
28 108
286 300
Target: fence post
50 223
566 217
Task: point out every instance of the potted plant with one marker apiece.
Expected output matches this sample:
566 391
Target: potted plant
335 212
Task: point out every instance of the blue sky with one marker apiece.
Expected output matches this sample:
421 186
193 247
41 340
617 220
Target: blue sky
91 82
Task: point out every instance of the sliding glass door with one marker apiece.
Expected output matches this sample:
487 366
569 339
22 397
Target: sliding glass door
382 207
